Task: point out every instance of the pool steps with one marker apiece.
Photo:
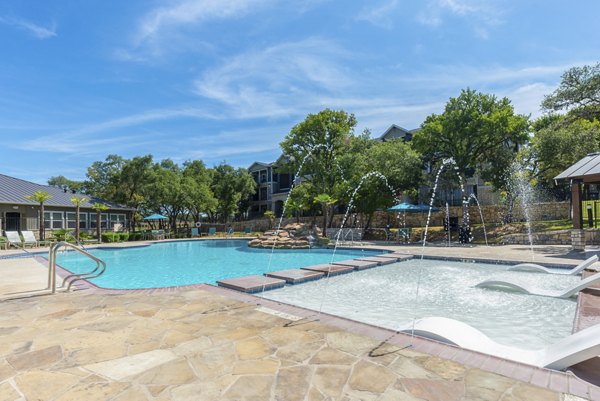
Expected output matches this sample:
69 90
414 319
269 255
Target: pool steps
278 279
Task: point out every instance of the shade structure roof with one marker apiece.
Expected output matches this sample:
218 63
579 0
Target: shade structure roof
586 169
155 216
410 208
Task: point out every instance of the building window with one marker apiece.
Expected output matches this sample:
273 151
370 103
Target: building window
263 194
83 218
53 220
117 219
103 220
71 220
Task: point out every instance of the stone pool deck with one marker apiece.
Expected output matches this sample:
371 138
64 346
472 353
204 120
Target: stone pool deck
207 343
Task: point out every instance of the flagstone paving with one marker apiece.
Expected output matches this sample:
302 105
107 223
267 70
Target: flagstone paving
194 344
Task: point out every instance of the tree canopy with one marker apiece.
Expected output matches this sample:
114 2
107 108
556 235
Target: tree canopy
578 92
480 132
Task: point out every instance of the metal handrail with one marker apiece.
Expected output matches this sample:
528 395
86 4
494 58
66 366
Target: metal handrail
100 265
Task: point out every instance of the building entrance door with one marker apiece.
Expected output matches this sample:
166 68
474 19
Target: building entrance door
13 221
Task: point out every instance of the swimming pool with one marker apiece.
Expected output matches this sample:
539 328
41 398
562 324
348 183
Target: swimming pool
386 297
177 263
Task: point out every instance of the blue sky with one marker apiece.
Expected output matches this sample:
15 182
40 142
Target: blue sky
226 80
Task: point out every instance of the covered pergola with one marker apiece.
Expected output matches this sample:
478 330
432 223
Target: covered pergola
585 172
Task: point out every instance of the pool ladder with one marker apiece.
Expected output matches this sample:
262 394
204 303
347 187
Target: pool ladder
70 279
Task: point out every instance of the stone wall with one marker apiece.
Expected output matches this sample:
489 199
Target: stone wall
562 237
492 215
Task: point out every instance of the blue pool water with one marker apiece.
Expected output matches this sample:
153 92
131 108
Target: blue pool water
190 262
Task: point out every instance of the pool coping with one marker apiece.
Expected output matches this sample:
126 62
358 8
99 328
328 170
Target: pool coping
565 382
559 381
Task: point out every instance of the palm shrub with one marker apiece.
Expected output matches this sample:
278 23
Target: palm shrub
41 197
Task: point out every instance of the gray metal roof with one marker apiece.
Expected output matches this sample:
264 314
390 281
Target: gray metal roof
14 191
588 166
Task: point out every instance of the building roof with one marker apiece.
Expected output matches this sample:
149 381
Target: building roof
586 169
396 131
14 191
259 165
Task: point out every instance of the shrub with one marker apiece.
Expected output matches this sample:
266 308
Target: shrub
123 236
85 235
110 237
60 234
135 236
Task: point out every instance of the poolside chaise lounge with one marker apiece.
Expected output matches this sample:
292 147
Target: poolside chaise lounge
567 293
14 239
212 231
29 238
567 352
535 268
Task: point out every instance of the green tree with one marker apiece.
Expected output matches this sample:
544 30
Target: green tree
77 202
165 192
103 178
480 132
199 197
64 183
559 143
230 186
578 92
320 141
326 202
41 197
269 215
324 136
99 208
134 178
397 162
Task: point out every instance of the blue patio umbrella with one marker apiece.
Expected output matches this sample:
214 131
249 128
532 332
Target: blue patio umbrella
410 208
405 207
156 216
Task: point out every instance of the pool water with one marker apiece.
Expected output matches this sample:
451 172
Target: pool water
387 296
190 262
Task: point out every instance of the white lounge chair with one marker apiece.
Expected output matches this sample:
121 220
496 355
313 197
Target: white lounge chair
14 239
535 268
29 238
567 293
568 351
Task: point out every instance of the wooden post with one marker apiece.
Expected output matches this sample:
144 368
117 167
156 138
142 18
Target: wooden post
576 200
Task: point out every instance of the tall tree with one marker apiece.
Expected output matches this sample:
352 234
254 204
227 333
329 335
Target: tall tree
199 197
480 132
559 142
99 208
77 201
397 162
41 197
326 202
319 142
64 183
165 192
230 187
103 178
324 136
578 92
135 175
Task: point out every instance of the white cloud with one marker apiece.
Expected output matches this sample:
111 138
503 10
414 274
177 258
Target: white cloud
526 99
480 15
185 12
79 140
380 15
38 31
281 80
